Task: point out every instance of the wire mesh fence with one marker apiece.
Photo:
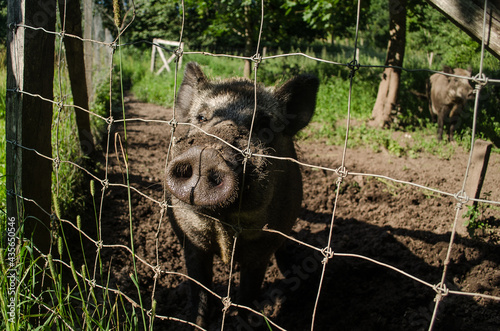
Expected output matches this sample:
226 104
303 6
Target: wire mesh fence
92 290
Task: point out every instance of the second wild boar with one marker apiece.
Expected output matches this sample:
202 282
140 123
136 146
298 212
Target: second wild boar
213 199
447 98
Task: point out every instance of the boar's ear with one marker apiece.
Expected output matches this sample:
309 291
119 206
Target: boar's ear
299 97
193 79
447 70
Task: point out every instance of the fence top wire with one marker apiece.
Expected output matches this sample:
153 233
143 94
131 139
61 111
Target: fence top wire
441 290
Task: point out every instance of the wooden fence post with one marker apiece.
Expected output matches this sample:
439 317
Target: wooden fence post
30 69
474 183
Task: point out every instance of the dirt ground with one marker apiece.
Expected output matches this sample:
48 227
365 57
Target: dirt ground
403 226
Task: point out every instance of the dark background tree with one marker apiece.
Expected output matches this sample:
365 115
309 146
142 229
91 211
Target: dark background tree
76 69
329 18
3 23
389 86
229 25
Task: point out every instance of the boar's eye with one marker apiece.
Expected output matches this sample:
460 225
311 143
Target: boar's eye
201 118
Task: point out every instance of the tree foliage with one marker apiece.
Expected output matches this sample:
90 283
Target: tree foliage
235 23
3 23
329 17
232 24
155 19
431 31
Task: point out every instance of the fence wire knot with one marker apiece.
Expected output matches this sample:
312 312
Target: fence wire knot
247 153
105 184
173 123
13 26
353 66
341 173
60 104
461 198
226 301
441 291
178 53
54 226
256 59
13 90
62 34
157 271
110 121
57 162
480 80
53 221
163 207
13 143
99 244
328 253
92 282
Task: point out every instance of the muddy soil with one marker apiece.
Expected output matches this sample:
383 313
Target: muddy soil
400 225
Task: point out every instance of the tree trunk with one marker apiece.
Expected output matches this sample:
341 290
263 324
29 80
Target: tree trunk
71 15
389 86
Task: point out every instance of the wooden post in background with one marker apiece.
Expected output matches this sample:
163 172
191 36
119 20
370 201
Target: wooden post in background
30 68
474 183
70 13
468 16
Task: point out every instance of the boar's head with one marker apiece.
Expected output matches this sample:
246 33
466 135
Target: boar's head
459 89
206 171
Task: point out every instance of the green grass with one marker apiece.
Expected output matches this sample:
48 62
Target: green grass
66 299
65 146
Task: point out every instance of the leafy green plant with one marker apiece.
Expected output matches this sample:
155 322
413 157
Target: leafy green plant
392 188
475 216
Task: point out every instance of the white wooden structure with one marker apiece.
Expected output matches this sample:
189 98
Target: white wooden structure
158 49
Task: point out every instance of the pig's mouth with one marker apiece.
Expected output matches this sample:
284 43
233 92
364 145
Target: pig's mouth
201 177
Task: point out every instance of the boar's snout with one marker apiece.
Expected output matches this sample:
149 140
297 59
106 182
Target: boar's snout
464 92
201 177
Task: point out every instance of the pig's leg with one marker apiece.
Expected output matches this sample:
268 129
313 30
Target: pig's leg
252 276
442 118
454 120
440 125
254 257
199 266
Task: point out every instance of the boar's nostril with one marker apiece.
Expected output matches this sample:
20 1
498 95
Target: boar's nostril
182 171
215 178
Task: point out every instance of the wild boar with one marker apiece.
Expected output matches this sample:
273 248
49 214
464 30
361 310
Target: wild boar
213 199
447 98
